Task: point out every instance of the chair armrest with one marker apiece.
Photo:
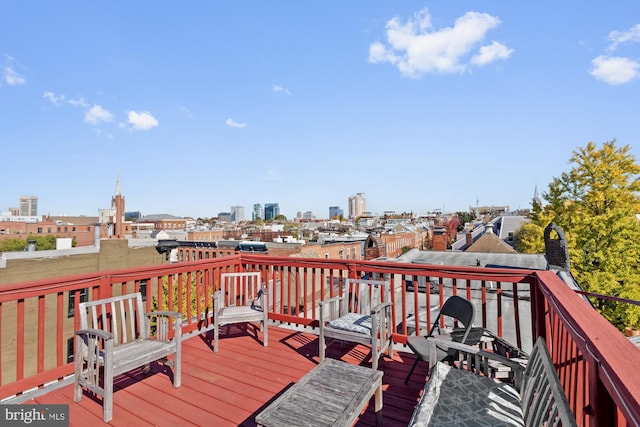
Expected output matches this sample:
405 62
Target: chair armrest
378 308
477 359
161 331
329 309
94 332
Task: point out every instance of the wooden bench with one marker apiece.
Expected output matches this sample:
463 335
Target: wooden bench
463 393
116 337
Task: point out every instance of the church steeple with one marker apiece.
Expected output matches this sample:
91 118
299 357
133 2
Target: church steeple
537 200
117 204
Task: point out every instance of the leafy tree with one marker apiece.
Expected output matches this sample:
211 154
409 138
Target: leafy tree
595 204
464 218
43 243
12 245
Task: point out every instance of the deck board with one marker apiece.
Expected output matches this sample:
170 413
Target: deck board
230 387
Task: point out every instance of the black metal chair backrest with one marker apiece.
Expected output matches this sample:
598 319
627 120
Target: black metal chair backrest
459 309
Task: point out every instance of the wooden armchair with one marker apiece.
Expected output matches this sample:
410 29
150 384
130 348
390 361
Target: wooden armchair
362 314
240 299
117 336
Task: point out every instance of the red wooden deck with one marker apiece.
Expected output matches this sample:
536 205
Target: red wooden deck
231 387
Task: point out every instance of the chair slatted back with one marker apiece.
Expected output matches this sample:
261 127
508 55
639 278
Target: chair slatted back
123 316
239 289
362 295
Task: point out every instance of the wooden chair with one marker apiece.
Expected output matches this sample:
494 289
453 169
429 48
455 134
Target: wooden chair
117 336
362 314
240 299
457 309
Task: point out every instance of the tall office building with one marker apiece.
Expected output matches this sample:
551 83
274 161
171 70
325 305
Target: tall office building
357 205
335 211
237 213
258 212
28 206
271 210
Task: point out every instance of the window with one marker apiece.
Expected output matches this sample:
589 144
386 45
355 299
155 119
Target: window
84 296
142 288
39 230
73 229
70 349
49 230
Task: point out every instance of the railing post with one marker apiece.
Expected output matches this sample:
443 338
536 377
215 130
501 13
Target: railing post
600 409
104 289
353 272
538 328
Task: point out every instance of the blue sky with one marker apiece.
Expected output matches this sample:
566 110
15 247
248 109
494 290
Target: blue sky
202 105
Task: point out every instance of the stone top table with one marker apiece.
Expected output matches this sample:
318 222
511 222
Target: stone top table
331 394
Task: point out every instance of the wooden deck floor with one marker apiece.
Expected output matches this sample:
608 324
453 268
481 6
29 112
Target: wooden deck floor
231 387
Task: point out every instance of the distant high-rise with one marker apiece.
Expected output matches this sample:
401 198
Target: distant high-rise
305 215
28 206
335 211
237 213
258 212
357 205
271 210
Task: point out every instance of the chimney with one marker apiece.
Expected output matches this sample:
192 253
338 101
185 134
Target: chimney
439 239
488 229
468 238
96 235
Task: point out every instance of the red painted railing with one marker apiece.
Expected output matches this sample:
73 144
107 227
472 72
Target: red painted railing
593 359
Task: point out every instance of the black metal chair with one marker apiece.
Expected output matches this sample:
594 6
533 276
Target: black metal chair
458 309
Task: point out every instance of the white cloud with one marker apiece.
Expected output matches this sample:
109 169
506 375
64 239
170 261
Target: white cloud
142 120
97 115
53 98
233 124
619 37
79 102
491 53
278 89
614 70
415 47
11 77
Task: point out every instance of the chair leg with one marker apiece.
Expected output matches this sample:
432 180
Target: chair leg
265 334
216 335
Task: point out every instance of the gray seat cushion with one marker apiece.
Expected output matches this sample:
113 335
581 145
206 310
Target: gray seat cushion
455 397
360 323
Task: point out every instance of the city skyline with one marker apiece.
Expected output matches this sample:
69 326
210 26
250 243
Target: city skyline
420 106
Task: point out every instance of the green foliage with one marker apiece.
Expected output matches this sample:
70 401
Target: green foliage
179 299
595 204
43 243
529 238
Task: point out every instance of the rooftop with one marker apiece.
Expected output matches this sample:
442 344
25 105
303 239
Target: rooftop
231 387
